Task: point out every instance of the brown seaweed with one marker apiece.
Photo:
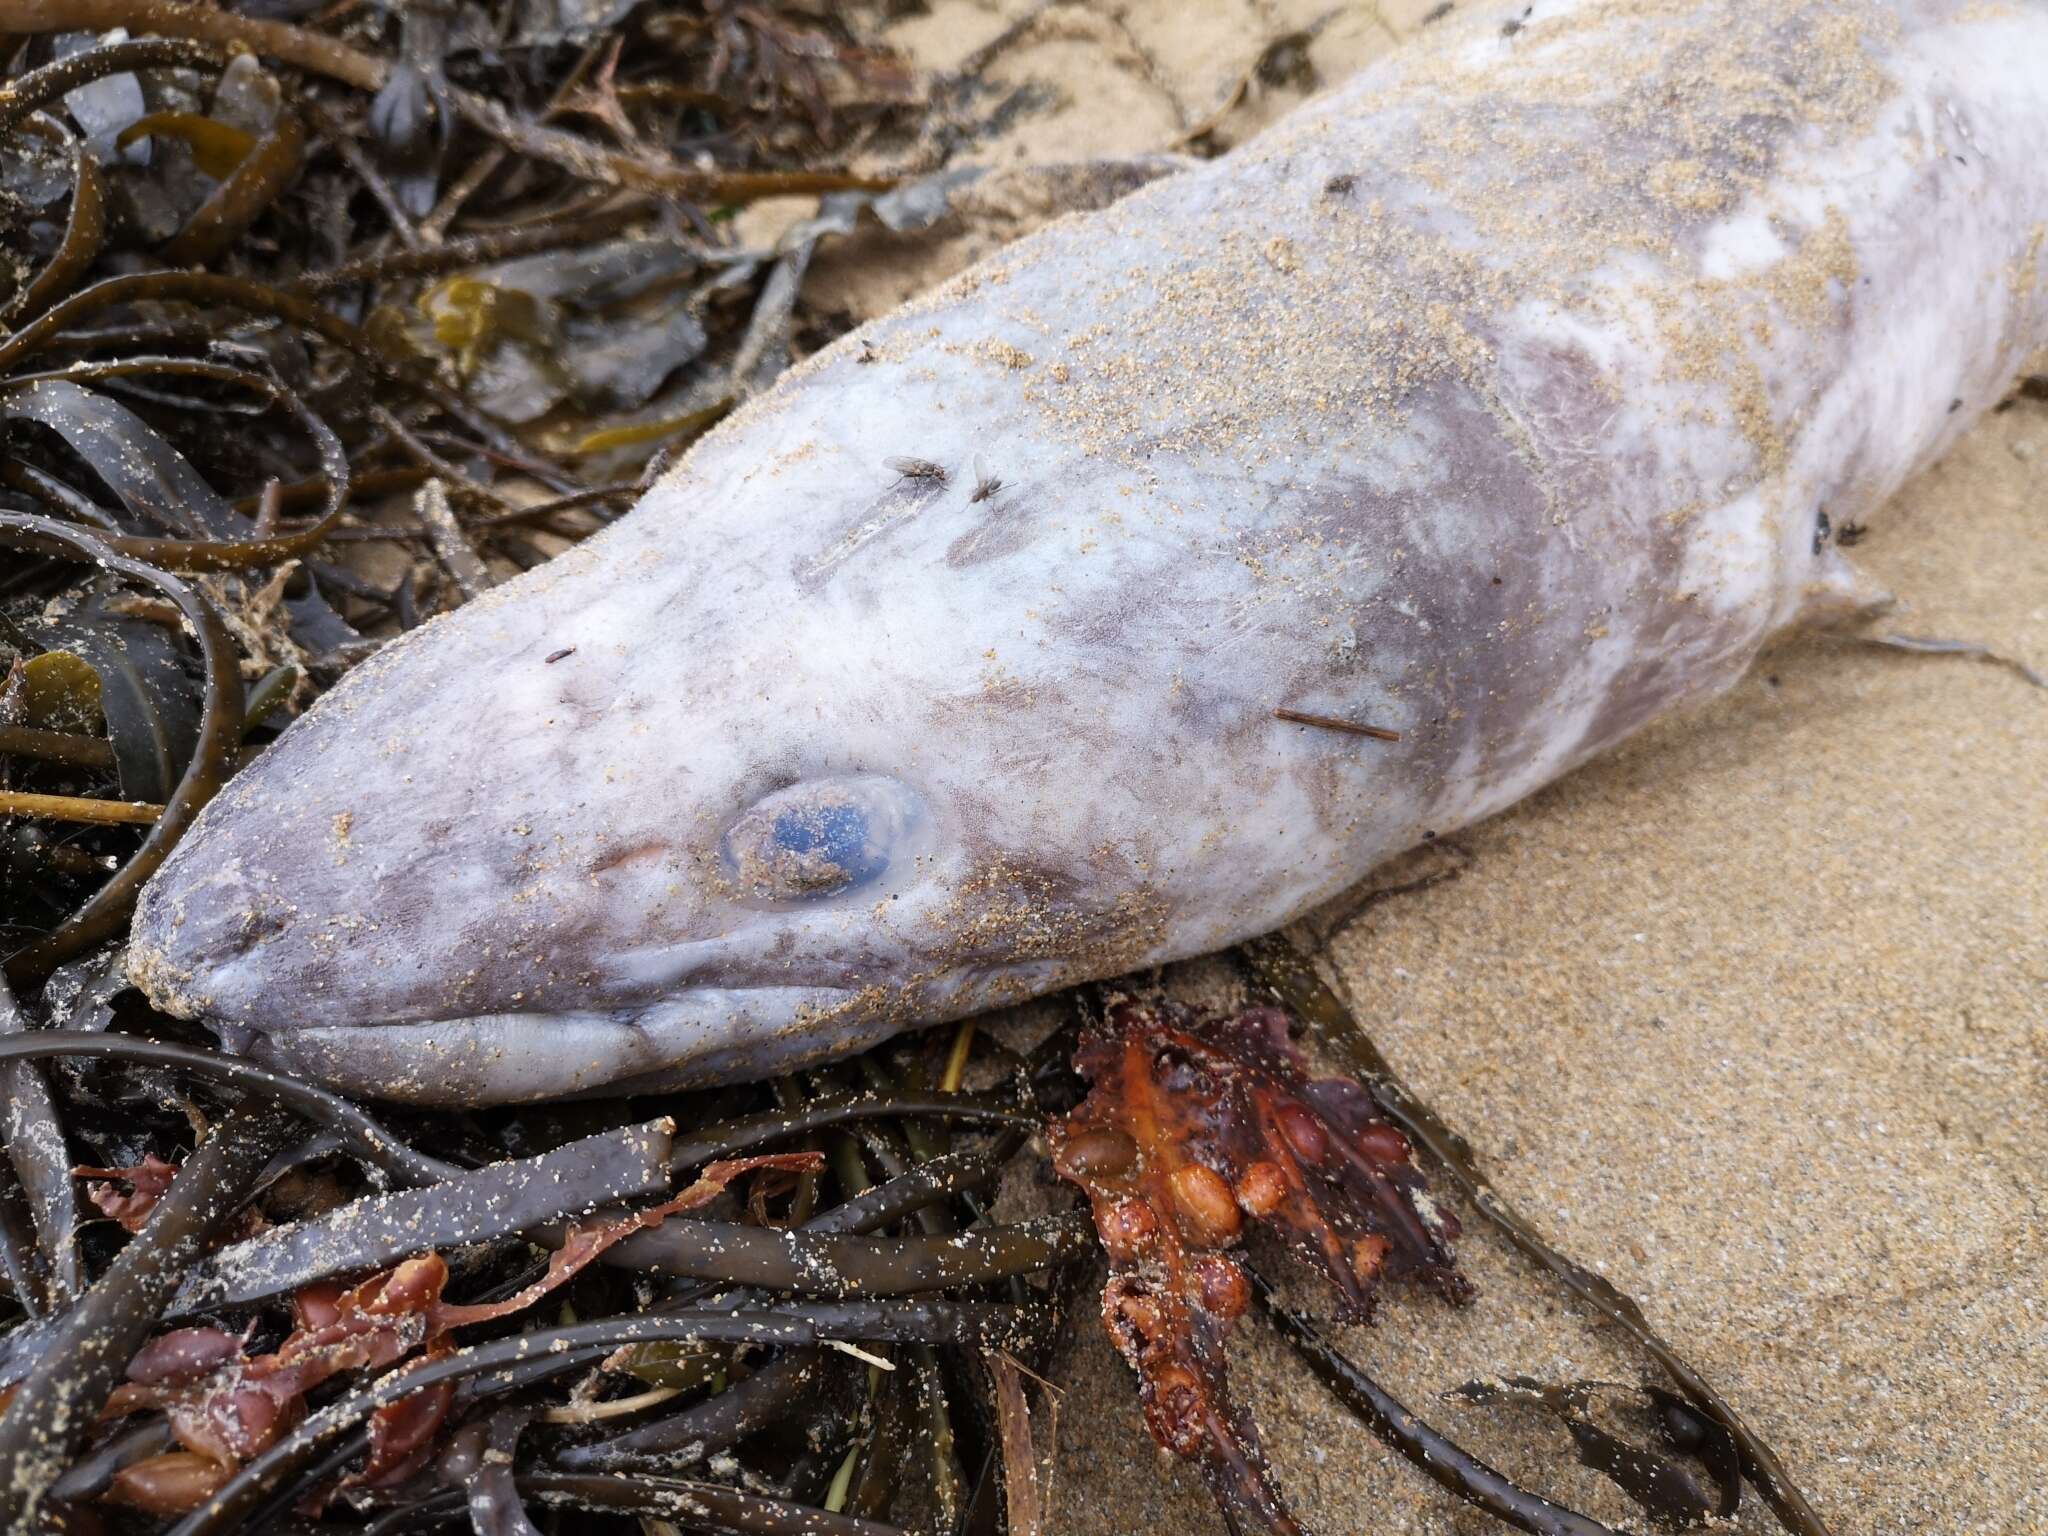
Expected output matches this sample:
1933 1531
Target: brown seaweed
1293 979
1661 1484
52 1411
1442 1460
494 1201
220 733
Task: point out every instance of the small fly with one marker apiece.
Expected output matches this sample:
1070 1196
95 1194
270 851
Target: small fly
985 484
917 469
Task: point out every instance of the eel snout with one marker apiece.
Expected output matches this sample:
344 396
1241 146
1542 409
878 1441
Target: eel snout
495 898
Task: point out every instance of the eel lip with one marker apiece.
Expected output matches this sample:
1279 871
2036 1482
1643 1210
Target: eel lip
702 1036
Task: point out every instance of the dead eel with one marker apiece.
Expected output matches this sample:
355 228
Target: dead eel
1500 401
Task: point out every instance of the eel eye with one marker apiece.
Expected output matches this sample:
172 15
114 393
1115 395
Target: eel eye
820 837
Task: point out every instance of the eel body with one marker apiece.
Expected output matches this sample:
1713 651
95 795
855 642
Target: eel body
1502 399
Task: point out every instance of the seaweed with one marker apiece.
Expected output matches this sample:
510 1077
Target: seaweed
1195 1127
40 1162
828 1264
52 1411
220 733
1442 1460
1291 977
1661 1484
495 1201
361 1134
981 1325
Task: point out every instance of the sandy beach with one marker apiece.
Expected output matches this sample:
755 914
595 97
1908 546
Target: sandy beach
1752 1016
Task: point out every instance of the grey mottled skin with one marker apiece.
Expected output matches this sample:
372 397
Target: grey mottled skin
1493 399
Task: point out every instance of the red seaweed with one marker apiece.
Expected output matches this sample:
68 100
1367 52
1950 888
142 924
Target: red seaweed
1194 1125
227 1408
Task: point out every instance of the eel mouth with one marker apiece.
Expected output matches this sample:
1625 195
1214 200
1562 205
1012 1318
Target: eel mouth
700 1037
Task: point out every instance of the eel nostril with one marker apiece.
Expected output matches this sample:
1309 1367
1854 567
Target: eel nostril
820 837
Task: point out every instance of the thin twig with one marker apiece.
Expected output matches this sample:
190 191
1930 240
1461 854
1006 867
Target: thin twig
1335 723
613 1408
349 147
478 250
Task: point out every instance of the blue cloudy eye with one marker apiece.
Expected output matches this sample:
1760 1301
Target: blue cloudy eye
820 837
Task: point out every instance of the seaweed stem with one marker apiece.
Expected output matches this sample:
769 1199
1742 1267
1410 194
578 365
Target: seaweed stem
20 97
978 1324
220 735
1441 1460
57 746
85 228
478 250
41 1160
750 1131
366 1139
837 1265
735 1413
705 1506
279 40
710 1426
1293 978
80 808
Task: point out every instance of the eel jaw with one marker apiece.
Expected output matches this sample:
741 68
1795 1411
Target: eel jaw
703 1036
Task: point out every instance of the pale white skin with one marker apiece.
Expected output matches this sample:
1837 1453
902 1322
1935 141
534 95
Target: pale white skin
1492 399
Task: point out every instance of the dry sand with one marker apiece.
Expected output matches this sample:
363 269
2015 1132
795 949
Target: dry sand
1752 1016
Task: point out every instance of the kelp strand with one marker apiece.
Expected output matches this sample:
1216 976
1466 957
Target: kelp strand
220 735
1292 977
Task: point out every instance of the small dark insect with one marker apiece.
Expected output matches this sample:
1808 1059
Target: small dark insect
1337 186
917 469
1438 13
1333 723
1821 529
1510 28
1850 534
868 354
985 484
567 650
